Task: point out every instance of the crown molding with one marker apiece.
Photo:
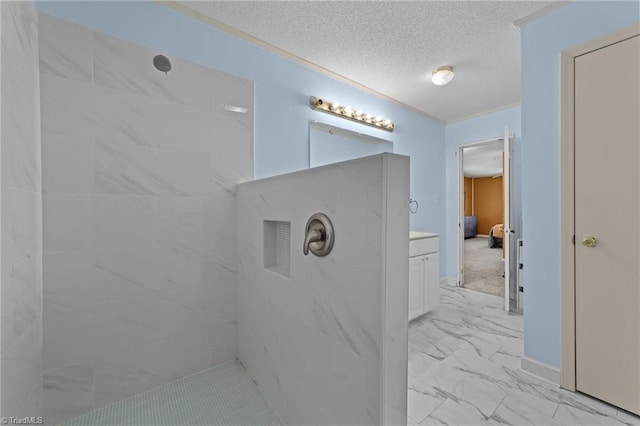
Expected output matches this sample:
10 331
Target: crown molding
178 7
540 12
480 114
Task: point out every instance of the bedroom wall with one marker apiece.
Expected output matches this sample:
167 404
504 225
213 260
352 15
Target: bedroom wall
468 196
542 41
488 202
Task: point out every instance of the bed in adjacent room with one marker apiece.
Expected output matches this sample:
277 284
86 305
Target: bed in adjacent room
496 234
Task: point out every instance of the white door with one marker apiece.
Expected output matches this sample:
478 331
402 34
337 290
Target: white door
607 217
508 233
459 154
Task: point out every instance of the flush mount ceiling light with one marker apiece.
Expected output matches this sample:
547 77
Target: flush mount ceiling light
442 75
351 114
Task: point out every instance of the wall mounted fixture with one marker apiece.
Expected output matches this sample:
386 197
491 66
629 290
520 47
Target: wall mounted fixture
318 236
442 75
348 112
162 63
412 202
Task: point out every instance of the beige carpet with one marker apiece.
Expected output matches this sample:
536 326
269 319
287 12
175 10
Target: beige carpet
483 267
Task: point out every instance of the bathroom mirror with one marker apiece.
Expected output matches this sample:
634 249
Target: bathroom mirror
330 144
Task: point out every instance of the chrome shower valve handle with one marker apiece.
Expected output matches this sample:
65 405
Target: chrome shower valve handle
319 236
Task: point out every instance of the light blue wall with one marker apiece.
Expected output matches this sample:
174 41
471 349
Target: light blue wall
282 91
469 131
543 40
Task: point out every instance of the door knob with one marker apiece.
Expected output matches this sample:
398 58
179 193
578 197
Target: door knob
589 241
319 236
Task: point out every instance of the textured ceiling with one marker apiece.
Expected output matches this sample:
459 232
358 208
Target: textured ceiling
483 160
392 46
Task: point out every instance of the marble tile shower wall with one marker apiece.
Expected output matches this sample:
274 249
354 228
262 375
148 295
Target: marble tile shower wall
139 176
21 357
327 344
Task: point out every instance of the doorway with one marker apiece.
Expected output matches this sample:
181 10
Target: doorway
601 278
483 194
485 236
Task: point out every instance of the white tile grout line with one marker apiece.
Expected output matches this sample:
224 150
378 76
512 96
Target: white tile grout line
498 406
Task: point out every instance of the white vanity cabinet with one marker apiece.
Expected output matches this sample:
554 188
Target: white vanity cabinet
424 276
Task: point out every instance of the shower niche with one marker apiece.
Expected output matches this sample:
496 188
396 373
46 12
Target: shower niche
277 246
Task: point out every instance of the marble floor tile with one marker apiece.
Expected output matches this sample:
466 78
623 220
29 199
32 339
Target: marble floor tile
514 412
628 418
461 339
455 316
418 340
420 405
464 388
527 394
532 389
451 413
420 364
470 362
569 415
465 355
506 359
499 327
438 328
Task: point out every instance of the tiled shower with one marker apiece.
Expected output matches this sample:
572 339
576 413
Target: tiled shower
139 172
122 269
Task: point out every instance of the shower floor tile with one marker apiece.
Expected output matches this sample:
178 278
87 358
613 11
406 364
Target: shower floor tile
222 395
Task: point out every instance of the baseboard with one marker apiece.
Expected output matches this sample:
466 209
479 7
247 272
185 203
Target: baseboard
448 281
540 369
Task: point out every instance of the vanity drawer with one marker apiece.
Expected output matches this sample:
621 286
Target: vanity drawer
423 246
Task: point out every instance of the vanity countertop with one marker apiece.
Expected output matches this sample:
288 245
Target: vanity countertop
415 235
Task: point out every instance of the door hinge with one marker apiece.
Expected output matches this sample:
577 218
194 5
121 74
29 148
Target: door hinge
574 240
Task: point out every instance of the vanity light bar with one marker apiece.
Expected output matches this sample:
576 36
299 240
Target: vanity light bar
348 112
